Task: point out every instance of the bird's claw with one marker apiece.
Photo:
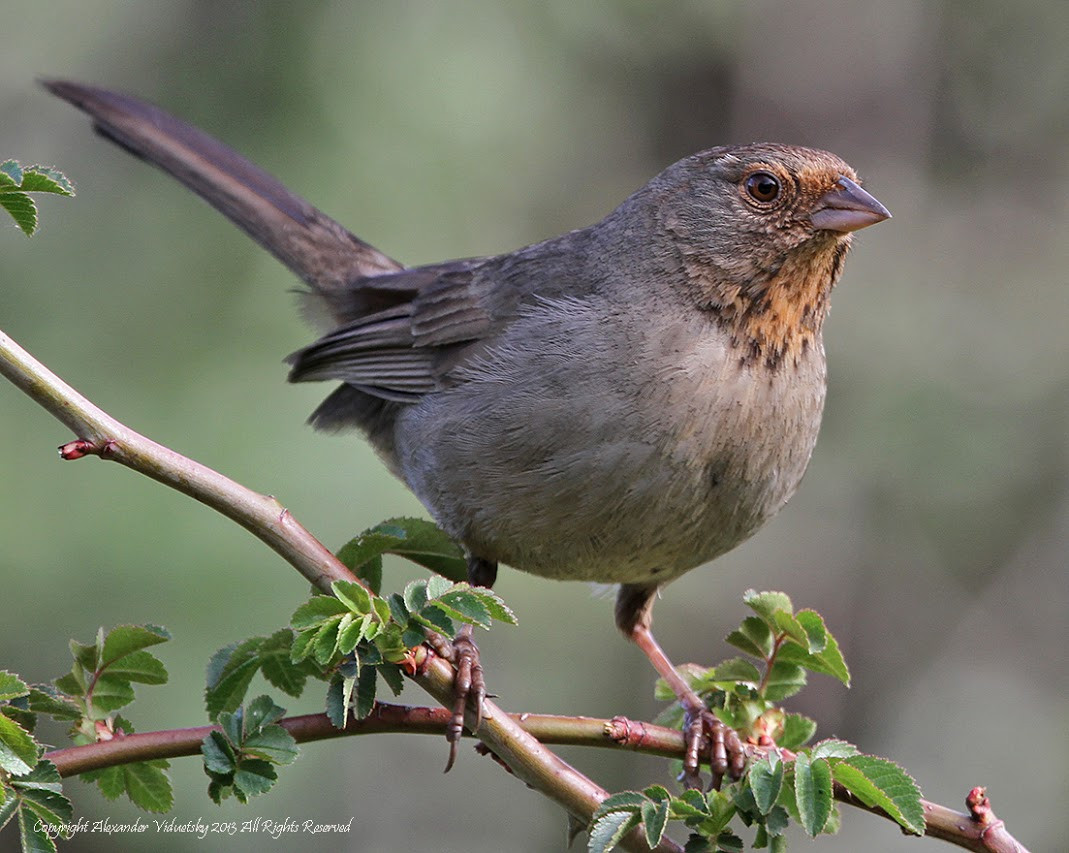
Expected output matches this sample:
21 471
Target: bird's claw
469 689
707 737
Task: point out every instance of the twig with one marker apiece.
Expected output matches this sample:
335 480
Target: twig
101 435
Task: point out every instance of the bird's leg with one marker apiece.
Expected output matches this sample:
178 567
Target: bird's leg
469 686
705 736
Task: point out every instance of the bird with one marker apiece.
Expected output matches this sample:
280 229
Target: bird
619 404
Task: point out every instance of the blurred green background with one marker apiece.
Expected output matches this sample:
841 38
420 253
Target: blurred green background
931 530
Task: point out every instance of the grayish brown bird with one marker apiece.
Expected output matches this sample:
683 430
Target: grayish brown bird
618 404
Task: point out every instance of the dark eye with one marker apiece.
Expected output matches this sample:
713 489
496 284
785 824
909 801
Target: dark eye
763 187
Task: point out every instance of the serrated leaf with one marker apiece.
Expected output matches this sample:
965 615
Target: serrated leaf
352 595
815 629
274 744
316 610
691 803
415 595
655 819
437 586
797 731
140 666
766 779
767 604
427 545
229 692
883 784
110 780
301 649
262 711
122 640
11 686
657 793
337 702
51 806
278 667
787 624
219 756
10 174
38 179
813 792
46 700
735 670
833 748
148 785
111 693
392 675
365 692
435 618
608 829
620 801
465 605
254 777
18 750
32 835
828 662
353 633
23 210
753 636
326 641
784 680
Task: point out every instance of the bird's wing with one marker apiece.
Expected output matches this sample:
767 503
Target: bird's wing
410 330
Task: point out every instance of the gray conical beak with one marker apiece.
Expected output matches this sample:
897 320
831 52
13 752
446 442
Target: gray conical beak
847 208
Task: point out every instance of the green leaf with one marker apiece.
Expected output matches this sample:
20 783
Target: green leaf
140 666
828 662
326 641
415 595
620 801
427 545
754 637
768 604
32 835
219 756
260 712
230 672
18 750
815 629
10 175
44 699
883 784
463 604
798 729
655 818
608 829
111 693
11 686
337 705
392 675
317 609
833 748
736 670
766 779
691 803
353 595
812 790
254 776
365 692
24 212
148 785
273 744
657 793
784 680
278 667
38 179
125 639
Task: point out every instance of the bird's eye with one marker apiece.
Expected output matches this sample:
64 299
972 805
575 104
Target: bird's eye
763 187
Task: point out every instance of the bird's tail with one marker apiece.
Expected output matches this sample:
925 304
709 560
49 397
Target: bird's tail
311 244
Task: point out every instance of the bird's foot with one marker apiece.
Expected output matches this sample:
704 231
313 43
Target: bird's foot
469 685
706 737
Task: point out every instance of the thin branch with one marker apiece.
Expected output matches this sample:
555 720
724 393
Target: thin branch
979 830
100 434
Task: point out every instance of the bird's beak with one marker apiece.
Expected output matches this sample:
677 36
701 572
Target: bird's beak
847 208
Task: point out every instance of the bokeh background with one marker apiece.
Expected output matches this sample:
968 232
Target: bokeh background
931 530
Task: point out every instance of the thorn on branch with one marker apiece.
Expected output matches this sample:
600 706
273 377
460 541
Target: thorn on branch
77 449
83 447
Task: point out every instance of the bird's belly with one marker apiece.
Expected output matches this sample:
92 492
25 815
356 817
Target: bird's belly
622 490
